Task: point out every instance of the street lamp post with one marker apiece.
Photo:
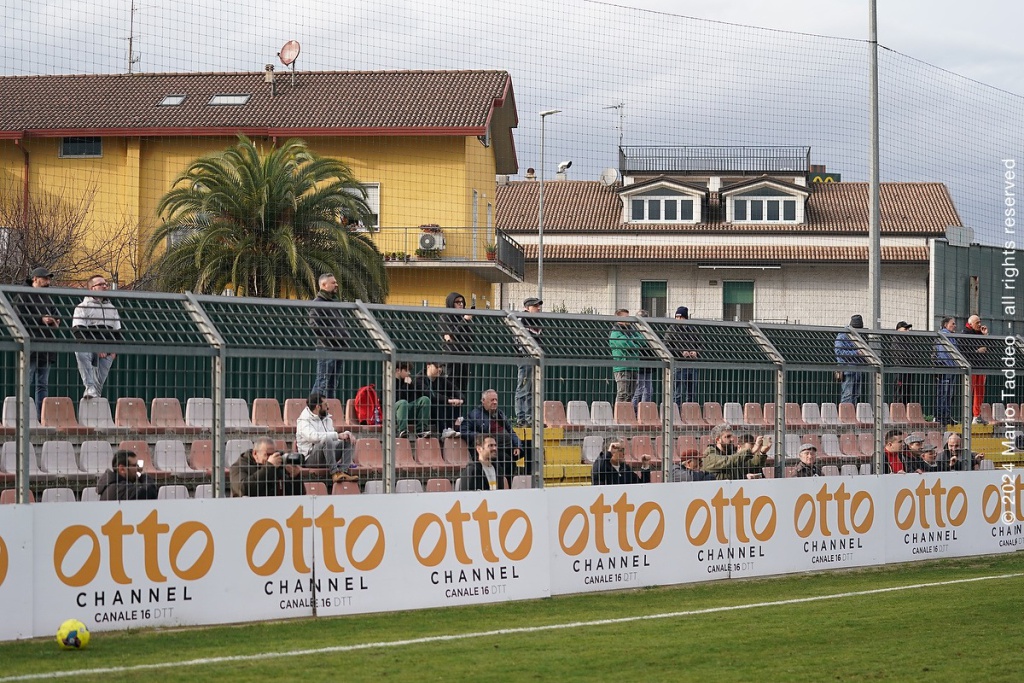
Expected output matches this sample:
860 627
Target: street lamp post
540 208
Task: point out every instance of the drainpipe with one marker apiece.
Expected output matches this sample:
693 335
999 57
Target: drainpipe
20 142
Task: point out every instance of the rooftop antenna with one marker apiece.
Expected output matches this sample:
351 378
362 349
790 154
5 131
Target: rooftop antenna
621 106
288 54
132 59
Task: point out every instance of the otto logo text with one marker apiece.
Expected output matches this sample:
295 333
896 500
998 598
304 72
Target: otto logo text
836 510
751 517
157 557
927 506
629 526
331 529
456 523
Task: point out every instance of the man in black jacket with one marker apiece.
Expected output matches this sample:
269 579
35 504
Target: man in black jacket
480 474
40 317
611 468
445 400
331 332
487 419
123 481
262 472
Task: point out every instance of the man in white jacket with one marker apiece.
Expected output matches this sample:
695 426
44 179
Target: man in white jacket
95 320
320 443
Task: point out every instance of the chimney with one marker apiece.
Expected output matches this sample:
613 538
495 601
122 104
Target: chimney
268 77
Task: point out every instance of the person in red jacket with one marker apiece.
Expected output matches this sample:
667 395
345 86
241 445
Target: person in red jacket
894 452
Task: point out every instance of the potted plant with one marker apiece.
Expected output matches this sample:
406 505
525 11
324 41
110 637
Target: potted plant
428 253
491 250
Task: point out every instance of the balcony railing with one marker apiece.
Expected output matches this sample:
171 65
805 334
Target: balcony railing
712 159
452 246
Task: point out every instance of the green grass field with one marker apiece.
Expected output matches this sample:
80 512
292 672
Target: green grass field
967 631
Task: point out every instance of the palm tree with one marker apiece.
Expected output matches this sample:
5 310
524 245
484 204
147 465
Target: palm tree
267 226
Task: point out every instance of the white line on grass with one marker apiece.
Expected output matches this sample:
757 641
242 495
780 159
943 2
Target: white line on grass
498 632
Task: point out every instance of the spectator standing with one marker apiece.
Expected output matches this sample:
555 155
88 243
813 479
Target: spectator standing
847 353
481 474
320 444
328 323
124 481
486 420
684 344
945 382
624 344
458 339
262 472
902 355
524 382
611 468
974 327
42 317
95 320
644 376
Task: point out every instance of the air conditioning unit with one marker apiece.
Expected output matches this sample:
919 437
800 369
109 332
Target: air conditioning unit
432 240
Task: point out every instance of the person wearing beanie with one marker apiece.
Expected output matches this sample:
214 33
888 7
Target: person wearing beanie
847 353
684 343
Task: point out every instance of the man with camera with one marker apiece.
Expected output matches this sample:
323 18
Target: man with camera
124 480
264 472
319 443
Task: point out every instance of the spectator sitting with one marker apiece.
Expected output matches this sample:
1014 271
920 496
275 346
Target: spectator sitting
912 444
611 468
445 400
808 466
407 399
927 460
953 455
894 452
262 472
481 474
725 461
689 469
320 444
124 481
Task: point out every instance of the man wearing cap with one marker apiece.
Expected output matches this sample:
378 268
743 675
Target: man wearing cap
808 466
524 385
689 469
725 461
682 341
926 460
902 356
95 320
847 353
40 317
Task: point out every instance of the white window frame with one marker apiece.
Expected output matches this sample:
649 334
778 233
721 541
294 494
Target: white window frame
760 196
647 195
373 201
64 155
229 99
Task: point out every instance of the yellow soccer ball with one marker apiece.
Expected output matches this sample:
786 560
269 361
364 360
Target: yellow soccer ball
72 635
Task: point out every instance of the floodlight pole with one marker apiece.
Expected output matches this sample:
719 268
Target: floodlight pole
874 204
540 208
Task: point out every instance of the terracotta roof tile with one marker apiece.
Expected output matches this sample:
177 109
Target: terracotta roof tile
577 206
717 253
327 100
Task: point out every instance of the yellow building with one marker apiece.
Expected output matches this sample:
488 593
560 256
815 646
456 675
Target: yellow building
98 151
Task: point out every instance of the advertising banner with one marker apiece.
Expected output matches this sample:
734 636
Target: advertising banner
796 525
380 553
612 537
954 514
172 562
16 577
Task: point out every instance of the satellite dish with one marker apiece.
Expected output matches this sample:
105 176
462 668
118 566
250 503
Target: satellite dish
609 176
289 53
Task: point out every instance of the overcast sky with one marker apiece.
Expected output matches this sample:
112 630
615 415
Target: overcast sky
688 73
